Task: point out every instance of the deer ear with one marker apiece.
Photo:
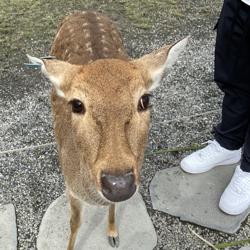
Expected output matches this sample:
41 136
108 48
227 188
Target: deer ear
55 70
157 62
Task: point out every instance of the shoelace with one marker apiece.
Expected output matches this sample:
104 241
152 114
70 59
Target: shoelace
210 149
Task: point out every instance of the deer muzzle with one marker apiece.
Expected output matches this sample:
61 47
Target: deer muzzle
118 187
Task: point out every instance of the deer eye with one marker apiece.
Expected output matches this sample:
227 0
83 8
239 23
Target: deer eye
77 106
143 104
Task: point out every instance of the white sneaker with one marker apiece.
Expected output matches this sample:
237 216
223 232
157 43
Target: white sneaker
209 157
236 197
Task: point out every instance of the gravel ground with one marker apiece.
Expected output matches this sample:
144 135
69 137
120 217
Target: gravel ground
186 106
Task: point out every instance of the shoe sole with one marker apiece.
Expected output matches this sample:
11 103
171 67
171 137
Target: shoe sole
226 162
232 212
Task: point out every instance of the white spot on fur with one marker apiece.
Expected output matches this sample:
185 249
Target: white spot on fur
86 34
90 50
104 41
114 32
88 45
105 49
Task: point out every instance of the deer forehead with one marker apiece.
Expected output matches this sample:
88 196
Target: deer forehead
109 82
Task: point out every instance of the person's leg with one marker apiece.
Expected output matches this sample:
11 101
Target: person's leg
232 130
229 137
245 160
232 48
232 64
236 197
232 61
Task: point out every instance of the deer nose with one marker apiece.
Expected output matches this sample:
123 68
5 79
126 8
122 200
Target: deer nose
118 187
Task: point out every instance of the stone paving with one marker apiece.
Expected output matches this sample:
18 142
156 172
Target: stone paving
135 228
8 229
195 198
186 106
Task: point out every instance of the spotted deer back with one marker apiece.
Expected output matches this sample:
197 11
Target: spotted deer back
84 37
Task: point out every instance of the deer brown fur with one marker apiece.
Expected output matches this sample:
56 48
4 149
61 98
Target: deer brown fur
106 141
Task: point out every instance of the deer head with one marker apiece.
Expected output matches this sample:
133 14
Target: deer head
102 114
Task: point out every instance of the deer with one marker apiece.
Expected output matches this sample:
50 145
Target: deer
100 101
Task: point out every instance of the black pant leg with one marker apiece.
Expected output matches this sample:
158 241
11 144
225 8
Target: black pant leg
232 49
245 162
232 130
232 73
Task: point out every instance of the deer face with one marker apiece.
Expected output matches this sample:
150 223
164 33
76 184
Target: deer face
108 106
102 114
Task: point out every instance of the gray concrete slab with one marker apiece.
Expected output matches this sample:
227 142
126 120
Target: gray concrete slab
195 198
135 228
8 230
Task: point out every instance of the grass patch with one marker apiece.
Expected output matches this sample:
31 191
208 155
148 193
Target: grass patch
144 13
28 26
192 147
232 244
